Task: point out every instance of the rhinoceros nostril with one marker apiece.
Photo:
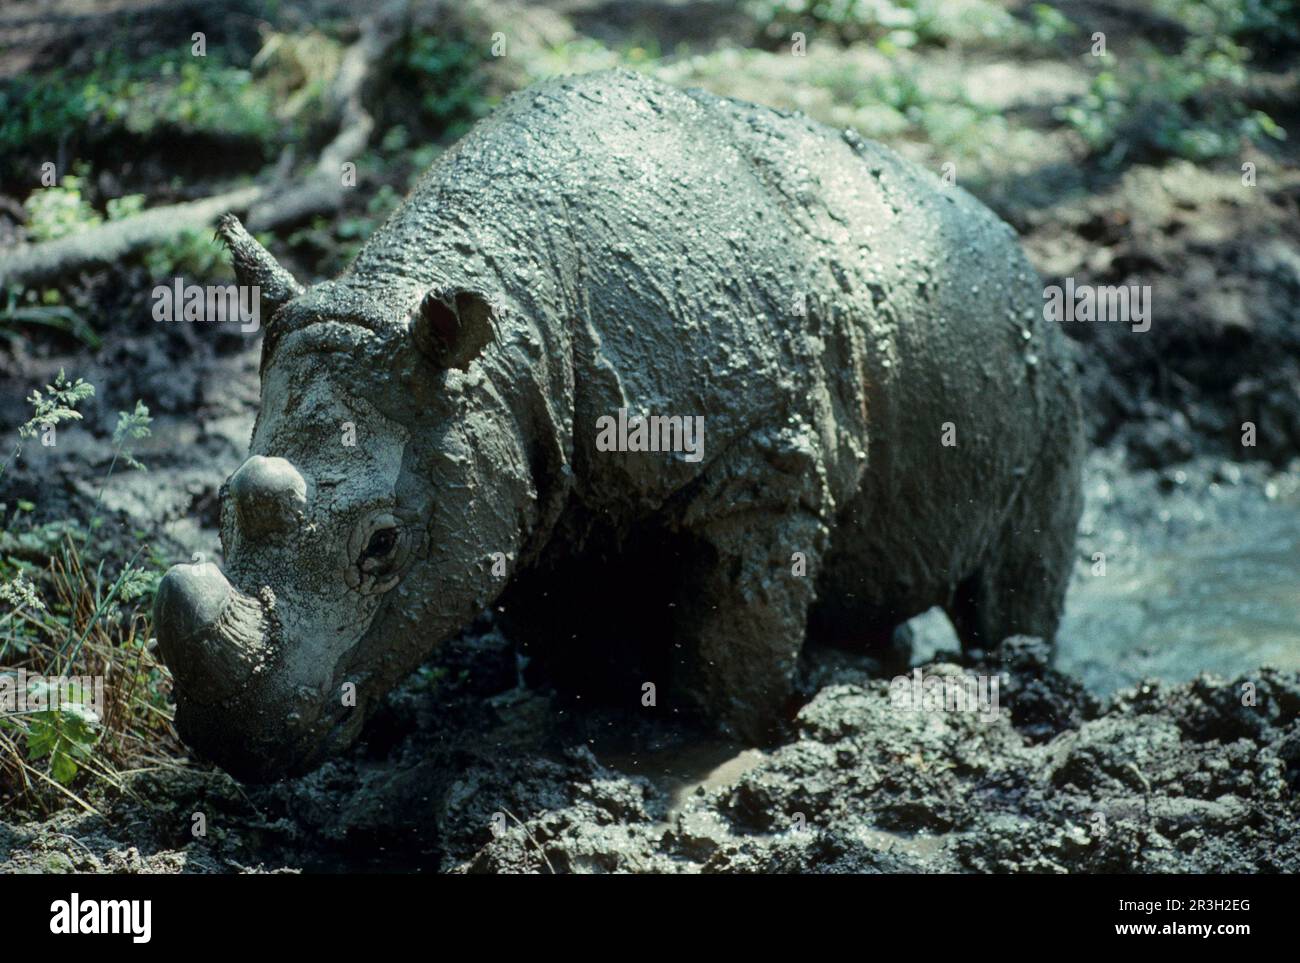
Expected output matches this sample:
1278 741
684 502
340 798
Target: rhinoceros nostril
269 493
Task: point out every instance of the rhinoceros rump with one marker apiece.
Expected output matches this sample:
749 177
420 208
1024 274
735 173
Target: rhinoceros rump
891 424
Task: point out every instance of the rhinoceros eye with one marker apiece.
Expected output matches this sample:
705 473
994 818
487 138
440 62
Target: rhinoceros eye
377 552
381 544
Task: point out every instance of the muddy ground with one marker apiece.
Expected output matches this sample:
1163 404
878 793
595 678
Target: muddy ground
466 771
479 765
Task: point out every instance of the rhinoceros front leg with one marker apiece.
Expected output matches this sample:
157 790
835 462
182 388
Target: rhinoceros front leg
741 623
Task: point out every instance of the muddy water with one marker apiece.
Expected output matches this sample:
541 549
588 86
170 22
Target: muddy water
1202 574
682 771
1212 589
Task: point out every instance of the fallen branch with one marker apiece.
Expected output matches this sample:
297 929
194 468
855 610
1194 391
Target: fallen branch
323 188
29 264
268 206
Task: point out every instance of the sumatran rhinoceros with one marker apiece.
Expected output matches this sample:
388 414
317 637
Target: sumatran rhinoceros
888 422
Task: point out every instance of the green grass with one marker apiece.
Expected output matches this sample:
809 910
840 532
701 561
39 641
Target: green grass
74 603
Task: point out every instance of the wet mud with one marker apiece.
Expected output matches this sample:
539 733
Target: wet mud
466 771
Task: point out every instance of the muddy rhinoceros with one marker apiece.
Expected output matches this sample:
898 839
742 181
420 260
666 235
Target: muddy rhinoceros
643 361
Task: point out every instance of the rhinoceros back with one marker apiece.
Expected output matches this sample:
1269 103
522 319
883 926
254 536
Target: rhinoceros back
695 255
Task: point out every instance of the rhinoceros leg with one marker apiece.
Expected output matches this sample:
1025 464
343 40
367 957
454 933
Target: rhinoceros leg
1020 587
742 622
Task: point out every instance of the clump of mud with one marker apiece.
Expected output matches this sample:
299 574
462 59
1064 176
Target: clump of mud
466 770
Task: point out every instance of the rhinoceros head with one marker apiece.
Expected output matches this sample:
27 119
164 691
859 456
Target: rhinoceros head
356 534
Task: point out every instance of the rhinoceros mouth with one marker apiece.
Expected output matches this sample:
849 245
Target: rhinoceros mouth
234 704
268 755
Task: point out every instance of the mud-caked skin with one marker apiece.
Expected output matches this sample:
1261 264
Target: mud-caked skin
890 424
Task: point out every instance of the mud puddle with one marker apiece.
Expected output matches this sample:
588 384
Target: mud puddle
1201 574
680 772
1222 600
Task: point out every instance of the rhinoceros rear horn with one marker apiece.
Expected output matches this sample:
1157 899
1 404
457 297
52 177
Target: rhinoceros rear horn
254 265
451 328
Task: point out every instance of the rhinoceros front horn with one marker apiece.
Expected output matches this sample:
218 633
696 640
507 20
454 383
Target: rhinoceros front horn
451 328
254 265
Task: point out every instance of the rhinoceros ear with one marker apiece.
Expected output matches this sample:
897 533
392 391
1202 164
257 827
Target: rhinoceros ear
254 265
451 328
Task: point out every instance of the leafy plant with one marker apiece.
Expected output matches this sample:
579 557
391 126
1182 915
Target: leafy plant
65 734
190 253
58 211
55 316
1250 21
19 593
890 23
86 623
1190 104
121 94
90 626
61 210
131 426
1048 24
448 73
57 405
